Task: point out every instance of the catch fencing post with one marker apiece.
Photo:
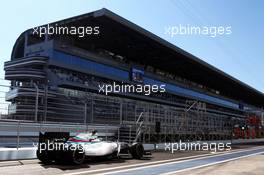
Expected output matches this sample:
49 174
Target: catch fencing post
18 133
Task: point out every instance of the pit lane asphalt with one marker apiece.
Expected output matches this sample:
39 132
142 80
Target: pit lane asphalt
174 167
159 162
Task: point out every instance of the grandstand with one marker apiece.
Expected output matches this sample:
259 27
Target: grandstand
55 78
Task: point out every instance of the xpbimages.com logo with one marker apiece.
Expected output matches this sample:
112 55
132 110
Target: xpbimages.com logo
79 31
211 31
58 146
197 146
146 89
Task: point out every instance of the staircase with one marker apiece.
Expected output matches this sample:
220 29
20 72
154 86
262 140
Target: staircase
131 133
127 133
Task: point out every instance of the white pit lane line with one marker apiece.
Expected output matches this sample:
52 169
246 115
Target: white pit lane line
159 163
179 166
210 164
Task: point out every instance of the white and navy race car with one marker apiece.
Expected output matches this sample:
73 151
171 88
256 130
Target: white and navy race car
61 148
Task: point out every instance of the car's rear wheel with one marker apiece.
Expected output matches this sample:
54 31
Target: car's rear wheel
137 150
78 156
43 156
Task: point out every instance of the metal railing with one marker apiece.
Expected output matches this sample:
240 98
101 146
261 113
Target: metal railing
20 133
139 125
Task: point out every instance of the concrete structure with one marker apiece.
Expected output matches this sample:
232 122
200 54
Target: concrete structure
56 77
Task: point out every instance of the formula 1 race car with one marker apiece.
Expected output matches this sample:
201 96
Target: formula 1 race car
61 148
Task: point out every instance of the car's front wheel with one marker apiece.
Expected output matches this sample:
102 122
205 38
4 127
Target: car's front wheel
137 150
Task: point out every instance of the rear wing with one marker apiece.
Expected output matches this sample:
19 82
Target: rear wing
53 137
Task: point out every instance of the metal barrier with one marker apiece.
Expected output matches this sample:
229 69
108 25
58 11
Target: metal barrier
20 133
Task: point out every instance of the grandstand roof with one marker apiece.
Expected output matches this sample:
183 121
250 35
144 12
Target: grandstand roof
121 36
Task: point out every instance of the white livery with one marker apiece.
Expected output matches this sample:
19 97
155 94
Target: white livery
83 145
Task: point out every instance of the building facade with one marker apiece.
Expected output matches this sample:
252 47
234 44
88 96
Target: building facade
56 76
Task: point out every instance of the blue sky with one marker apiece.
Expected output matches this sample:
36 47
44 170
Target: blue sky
240 54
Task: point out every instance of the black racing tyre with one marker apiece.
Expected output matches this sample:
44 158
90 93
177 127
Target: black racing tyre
137 150
44 157
60 157
75 156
